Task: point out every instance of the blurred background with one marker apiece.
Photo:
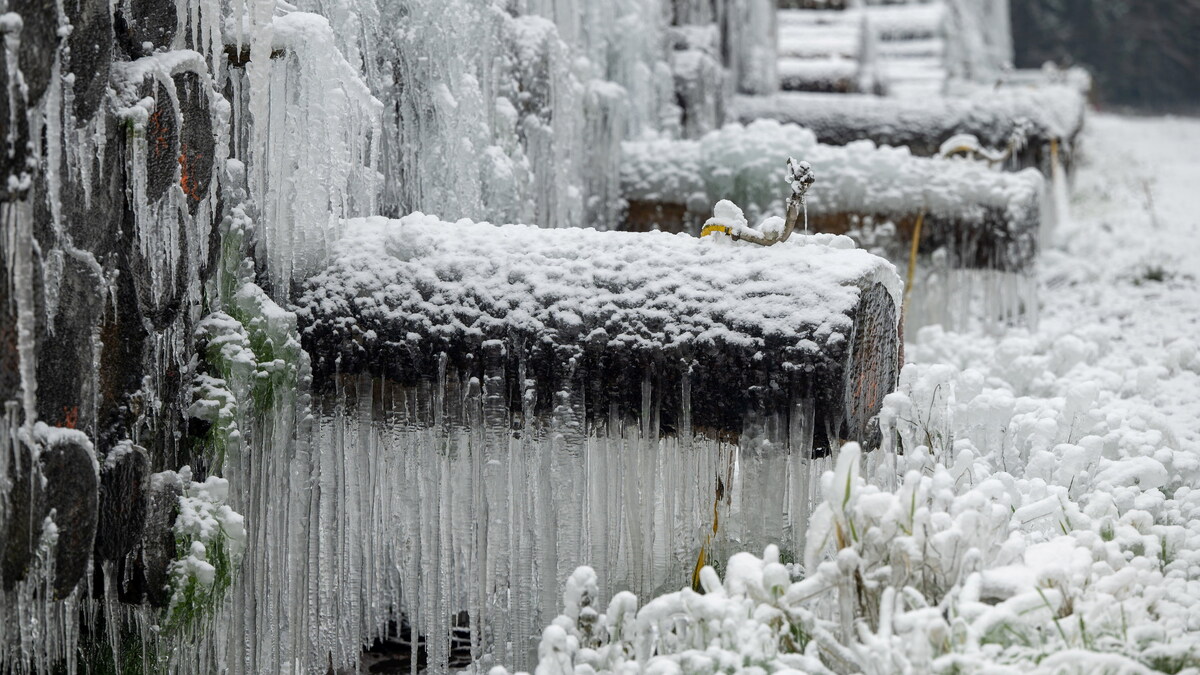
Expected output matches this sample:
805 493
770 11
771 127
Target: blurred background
1143 55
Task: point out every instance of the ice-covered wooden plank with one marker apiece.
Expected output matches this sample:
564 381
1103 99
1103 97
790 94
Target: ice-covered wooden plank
987 219
1035 116
742 328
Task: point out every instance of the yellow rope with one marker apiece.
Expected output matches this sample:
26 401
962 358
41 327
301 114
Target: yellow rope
709 229
704 549
1055 168
912 257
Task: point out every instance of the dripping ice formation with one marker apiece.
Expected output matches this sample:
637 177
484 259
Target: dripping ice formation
265 504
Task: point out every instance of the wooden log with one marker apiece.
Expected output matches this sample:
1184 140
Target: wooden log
825 75
746 328
986 219
835 5
1034 115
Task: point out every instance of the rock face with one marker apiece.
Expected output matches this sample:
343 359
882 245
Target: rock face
72 497
91 53
124 492
24 513
158 540
142 22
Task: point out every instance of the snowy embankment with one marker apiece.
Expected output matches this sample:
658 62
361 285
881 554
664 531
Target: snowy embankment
1043 517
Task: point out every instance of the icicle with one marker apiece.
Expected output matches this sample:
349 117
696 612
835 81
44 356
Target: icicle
315 130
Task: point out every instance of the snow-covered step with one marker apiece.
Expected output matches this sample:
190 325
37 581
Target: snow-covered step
984 218
830 75
907 22
817 41
1035 116
826 51
928 48
743 327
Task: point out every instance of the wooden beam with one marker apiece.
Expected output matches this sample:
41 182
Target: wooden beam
986 219
996 117
741 328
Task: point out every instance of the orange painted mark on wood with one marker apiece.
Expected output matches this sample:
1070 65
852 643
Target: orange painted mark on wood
70 416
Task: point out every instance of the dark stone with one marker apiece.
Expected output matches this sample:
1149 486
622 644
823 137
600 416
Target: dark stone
124 488
143 21
66 361
26 511
72 494
91 44
158 538
14 154
162 144
93 219
39 42
10 358
196 142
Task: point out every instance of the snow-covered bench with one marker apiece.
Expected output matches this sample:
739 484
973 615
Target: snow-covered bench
741 327
986 219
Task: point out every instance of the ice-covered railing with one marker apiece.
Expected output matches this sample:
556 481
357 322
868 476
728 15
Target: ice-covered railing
914 49
513 401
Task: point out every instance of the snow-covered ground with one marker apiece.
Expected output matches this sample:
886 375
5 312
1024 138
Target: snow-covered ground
1043 517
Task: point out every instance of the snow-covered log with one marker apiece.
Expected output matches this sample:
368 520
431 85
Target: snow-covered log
987 219
745 328
1028 118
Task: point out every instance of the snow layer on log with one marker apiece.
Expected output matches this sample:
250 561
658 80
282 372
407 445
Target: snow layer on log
743 164
418 279
1051 112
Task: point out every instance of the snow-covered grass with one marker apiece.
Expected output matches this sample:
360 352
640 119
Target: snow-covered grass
210 538
1043 516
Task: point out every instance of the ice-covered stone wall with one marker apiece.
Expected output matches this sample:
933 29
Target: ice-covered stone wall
177 472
